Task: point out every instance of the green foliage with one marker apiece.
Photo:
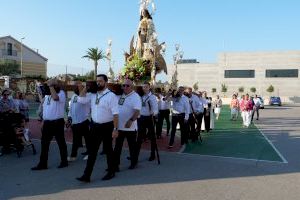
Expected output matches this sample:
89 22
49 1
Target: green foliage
224 88
270 89
253 89
214 90
9 68
241 89
95 54
137 69
195 86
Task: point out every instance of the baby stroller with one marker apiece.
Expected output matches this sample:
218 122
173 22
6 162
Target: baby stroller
14 135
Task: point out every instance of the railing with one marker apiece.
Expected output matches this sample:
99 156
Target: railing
6 52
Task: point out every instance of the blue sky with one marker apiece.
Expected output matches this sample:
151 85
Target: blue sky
62 30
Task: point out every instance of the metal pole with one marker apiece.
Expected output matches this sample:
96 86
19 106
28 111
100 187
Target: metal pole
22 56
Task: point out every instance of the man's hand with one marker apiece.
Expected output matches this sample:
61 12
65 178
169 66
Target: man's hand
128 123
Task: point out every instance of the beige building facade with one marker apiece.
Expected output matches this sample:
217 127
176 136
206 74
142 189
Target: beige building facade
247 70
34 64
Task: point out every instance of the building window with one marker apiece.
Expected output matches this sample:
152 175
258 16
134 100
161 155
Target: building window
282 73
239 74
9 49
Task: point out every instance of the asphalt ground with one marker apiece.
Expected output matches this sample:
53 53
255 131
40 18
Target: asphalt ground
180 176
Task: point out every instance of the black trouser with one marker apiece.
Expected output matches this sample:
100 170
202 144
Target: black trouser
207 119
255 109
52 129
80 130
191 128
131 140
199 117
99 133
179 118
146 123
163 114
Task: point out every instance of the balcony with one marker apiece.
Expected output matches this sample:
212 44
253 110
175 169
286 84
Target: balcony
6 52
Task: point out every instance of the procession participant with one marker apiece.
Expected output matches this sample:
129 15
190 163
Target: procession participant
78 119
146 122
129 110
104 127
53 125
180 114
163 114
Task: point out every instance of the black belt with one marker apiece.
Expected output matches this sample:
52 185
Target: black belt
180 114
56 120
102 124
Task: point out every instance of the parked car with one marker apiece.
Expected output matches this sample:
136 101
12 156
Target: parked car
262 105
275 101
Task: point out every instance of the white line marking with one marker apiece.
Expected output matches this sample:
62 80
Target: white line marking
280 155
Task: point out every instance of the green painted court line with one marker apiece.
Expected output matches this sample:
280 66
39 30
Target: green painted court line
230 139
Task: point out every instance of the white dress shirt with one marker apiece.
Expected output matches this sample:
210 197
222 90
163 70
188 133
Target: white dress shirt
104 105
181 105
146 100
128 104
163 104
53 110
77 111
195 102
257 102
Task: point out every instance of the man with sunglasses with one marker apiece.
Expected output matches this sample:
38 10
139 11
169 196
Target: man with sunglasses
145 122
129 110
53 126
104 126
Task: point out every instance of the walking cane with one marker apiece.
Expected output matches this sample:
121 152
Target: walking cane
156 147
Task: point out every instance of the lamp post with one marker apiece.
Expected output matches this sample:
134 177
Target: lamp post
22 56
108 56
176 57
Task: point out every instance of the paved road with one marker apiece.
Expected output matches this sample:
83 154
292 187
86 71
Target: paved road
179 176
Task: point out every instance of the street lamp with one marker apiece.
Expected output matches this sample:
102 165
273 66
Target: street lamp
177 57
22 55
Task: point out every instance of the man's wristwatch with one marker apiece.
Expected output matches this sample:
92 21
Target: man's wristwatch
115 129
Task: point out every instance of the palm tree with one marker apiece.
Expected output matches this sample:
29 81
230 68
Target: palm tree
95 54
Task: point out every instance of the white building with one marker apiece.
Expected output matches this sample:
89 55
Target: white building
245 69
34 64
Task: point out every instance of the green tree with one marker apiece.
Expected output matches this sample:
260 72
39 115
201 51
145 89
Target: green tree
8 68
214 90
224 88
96 55
270 89
241 89
253 89
195 86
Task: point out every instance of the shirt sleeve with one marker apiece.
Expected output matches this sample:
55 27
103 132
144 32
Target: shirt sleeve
186 108
137 103
70 106
154 105
114 106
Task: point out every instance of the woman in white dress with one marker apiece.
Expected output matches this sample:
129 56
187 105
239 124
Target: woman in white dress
218 106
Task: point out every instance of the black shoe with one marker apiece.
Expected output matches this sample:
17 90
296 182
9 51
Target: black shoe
62 165
39 167
117 169
84 153
108 176
151 158
84 179
132 166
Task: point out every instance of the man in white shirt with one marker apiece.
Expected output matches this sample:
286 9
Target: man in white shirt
78 119
164 113
53 116
194 103
180 114
129 110
257 103
104 127
146 122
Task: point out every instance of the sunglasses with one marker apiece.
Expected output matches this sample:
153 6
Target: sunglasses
126 85
5 94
